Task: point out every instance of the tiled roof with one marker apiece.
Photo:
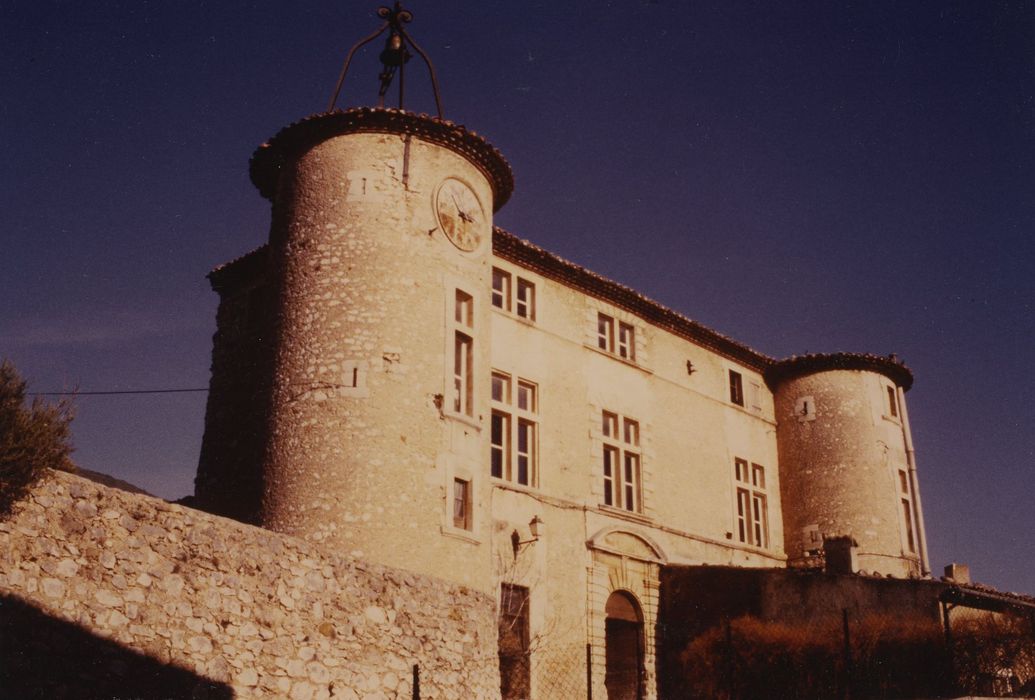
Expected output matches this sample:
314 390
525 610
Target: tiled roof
526 254
508 246
270 157
801 365
240 270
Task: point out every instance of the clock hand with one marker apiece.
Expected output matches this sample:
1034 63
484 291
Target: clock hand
463 214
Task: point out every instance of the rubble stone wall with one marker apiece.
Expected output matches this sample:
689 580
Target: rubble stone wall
256 613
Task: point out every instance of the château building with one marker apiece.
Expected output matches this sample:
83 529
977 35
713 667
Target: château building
399 380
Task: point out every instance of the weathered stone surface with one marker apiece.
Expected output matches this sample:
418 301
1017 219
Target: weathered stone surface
267 614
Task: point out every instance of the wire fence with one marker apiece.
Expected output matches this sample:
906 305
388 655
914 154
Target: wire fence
868 656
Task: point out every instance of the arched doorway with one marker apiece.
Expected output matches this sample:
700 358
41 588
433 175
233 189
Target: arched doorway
623 647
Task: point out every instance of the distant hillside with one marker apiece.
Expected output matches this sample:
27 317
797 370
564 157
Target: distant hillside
111 481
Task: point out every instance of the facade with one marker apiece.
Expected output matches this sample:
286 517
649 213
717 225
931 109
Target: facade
396 379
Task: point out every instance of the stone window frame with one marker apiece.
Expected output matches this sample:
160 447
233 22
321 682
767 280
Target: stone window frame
453 469
751 504
463 516
735 385
909 528
508 412
891 408
743 389
635 345
594 473
461 331
515 296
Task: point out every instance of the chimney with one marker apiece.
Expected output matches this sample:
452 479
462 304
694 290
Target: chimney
839 553
959 573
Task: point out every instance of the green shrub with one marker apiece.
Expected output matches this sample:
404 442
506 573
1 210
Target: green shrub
33 437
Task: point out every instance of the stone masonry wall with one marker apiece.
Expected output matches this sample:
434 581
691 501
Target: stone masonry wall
253 612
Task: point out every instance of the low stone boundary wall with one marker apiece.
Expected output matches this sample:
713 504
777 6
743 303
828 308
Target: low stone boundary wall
163 597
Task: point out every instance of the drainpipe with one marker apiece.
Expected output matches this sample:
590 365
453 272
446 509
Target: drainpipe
925 565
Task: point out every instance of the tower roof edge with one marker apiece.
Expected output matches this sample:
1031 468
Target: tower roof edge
802 365
269 159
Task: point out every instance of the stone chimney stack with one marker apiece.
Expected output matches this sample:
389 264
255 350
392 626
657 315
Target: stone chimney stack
959 573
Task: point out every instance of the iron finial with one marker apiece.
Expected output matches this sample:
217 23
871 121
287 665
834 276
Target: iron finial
393 57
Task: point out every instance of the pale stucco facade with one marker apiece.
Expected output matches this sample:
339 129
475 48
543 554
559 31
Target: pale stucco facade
416 398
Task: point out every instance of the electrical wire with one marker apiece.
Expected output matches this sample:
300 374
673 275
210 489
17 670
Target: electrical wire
113 393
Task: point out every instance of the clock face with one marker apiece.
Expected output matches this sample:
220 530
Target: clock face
460 214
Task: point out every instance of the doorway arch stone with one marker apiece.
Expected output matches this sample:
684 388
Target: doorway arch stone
623 587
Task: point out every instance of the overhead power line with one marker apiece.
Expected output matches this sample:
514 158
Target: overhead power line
113 393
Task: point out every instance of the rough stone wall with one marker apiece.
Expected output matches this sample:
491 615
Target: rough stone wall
229 480
839 469
362 442
252 612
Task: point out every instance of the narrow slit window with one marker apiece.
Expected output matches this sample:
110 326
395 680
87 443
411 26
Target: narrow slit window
462 360
605 333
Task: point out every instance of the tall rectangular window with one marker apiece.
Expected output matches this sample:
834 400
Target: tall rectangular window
736 388
462 360
515 426
462 504
892 402
908 517
605 333
752 512
463 353
500 289
525 304
621 462
626 342
755 395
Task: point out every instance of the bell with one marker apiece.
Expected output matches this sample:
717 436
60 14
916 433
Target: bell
394 54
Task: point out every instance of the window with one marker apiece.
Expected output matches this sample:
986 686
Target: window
462 504
623 344
755 396
463 354
500 289
892 402
736 388
752 513
514 430
605 333
525 306
621 462
519 297
908 524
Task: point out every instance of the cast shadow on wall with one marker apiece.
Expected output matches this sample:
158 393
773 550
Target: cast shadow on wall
44 657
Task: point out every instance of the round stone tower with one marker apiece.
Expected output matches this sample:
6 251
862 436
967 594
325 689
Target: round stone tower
380 244
847 465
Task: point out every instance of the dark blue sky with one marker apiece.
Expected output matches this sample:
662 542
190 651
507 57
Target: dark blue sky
804 177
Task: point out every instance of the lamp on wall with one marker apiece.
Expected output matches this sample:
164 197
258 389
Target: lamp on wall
535 526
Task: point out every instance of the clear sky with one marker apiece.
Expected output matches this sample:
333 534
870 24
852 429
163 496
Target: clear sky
804 177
